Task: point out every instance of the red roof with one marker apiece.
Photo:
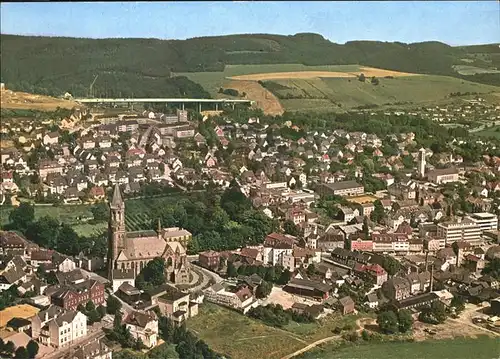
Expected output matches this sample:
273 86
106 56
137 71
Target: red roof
97 191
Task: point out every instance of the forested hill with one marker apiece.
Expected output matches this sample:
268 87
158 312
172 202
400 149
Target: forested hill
142 67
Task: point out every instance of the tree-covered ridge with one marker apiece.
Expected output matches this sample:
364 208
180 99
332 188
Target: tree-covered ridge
140 67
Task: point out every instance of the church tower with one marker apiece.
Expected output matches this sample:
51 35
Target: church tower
421 163
116 229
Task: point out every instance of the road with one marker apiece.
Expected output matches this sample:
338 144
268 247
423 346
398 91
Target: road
207 275
466 319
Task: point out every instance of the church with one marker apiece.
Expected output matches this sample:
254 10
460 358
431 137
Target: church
129 252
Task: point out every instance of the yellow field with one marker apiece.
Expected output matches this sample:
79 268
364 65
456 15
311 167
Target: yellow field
367 71
362 199
24 311
264 98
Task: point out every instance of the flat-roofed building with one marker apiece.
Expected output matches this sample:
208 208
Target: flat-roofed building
443 175
486 221
343 188
466 230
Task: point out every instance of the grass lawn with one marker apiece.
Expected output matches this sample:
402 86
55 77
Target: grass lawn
240 337
67 214
459 348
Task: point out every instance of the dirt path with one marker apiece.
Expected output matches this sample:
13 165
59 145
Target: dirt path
359 324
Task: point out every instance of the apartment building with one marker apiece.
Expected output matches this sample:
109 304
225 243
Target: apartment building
466 230
231 295
486 221
58 327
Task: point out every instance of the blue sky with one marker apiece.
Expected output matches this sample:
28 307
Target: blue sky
455 23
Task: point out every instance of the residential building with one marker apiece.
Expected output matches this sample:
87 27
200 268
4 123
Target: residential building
144 326
239 297
58 327
209 259
70 296
96 349
177 305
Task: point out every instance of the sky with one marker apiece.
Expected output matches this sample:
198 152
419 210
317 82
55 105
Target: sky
454 23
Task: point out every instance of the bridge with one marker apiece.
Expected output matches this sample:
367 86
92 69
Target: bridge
181 101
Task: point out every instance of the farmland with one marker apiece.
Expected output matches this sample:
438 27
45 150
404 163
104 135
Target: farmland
296 94
296 87
458 348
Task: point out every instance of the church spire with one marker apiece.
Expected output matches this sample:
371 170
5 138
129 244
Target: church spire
117 200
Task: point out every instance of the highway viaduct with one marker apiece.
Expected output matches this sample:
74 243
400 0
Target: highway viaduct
181 101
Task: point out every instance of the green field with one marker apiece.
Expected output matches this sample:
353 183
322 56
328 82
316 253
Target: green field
330 94
138 214
462 348
350 93
240 337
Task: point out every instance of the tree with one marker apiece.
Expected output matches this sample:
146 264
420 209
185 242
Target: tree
101 310
231 270
264 289
100 212
284 277
163 351
22 216
391 265
493 268
438 311
32 348
365 335
154 272
44 232
21 353
378 213
113 305
311 269
375 81
405 320
362 77
458 303
365 228
90 306
291 228
388 322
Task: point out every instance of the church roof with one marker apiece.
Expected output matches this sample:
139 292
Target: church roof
117 200
144 247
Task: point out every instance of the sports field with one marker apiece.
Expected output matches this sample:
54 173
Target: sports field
19 311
